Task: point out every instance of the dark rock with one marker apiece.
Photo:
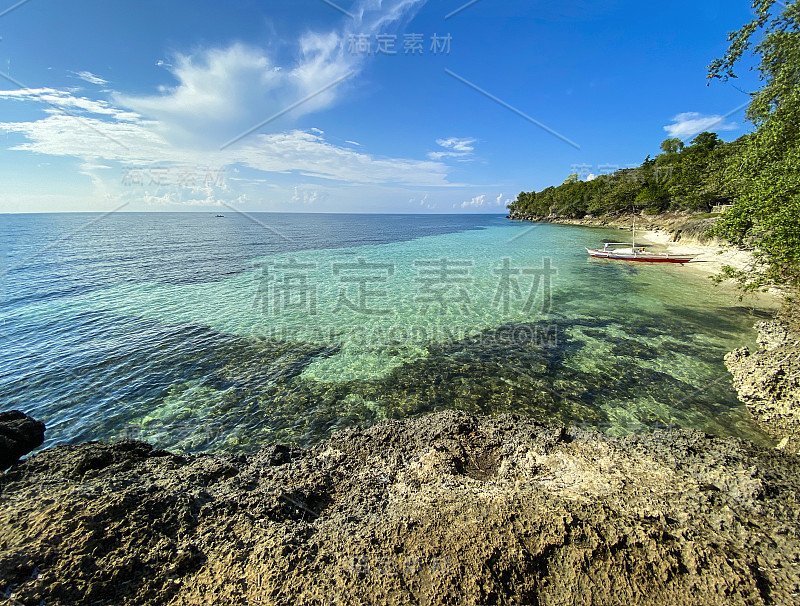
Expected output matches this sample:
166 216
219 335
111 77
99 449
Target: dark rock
19 434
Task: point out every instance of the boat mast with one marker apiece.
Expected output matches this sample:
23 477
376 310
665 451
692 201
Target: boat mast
633 238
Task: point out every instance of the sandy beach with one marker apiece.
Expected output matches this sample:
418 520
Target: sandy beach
710 259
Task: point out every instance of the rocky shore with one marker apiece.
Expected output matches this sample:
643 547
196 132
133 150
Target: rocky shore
682 227
768 380
444 509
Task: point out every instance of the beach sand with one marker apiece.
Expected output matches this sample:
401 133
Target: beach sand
710 259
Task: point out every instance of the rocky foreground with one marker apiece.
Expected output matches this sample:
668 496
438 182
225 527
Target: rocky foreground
444 509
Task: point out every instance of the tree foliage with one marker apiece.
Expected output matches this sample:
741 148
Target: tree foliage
765 170
672 146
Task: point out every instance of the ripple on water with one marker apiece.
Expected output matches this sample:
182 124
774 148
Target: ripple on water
216 359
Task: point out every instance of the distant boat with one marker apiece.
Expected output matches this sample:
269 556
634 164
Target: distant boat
636 253
221 216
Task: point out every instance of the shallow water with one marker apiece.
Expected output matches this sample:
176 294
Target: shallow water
199 333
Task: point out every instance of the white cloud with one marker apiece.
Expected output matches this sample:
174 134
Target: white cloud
477 201
379 15
591 177
310 155
482 202
68 102
305 196
424 202
459 145
91 78
500 201
223 92
692 123
456 148
218 93
99 186
140 143
181 198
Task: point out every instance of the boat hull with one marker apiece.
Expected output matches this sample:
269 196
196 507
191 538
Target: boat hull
639 257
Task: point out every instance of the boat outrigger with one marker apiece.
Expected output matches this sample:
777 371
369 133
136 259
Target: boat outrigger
636 253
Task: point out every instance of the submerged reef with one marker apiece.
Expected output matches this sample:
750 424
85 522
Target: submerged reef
451 507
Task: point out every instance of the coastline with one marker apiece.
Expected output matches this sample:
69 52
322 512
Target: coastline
710 259
679 233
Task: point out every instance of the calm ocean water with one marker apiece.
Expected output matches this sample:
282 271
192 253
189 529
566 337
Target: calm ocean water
203 333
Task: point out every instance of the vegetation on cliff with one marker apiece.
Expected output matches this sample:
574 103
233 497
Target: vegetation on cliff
681 178
758 174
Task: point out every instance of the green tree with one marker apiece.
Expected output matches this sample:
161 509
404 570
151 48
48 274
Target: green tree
672 146
653 197
706 141
765 175
694 185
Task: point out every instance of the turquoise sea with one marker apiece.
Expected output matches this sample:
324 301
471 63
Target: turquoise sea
202 333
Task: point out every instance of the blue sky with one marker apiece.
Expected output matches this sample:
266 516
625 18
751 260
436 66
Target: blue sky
144 106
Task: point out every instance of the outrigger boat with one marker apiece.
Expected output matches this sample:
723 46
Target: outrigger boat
636 253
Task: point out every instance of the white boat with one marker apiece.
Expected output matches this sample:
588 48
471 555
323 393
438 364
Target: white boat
635 253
